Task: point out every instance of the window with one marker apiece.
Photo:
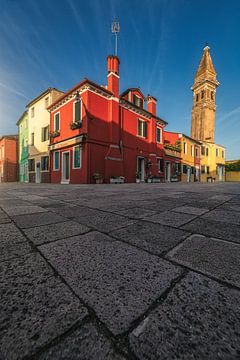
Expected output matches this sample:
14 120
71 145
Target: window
77 111
77 157
216 152
223 154
160 163
56 162
202 169
137 101
202 94
203 150
31 165
184 169
207 169
212 95
57 122
45 133
32 112
197 96
32 138
44 163
46 102
192 151
196 152
192 170
159 135
142 128
206 151
185 148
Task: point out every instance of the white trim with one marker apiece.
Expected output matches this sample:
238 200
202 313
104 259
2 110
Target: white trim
65 181
80 157
55 121
113 73
161 135
114 146
152 154
54 169
112 158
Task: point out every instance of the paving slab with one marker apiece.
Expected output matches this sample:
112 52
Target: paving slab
35 306
52 232
118 281
221 230
42 218
171 218
230 206
136 213
86 343
230 217
12 242
200 319
214 257
21 210
152 237
190 210
103 221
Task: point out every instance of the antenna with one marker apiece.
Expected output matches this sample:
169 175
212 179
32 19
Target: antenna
115 31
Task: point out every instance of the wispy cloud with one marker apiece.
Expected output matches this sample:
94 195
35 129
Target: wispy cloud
13 91
229 115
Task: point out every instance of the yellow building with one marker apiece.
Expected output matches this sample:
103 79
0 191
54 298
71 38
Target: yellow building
38 135
212 162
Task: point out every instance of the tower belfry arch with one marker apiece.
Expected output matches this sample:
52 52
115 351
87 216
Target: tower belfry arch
204 99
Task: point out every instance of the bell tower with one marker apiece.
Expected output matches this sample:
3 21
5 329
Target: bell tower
204 99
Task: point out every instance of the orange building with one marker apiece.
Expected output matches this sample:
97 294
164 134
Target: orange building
8 158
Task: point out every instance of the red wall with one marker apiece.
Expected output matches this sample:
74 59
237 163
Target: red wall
9 161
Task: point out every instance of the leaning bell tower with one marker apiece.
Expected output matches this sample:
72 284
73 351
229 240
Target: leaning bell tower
204 99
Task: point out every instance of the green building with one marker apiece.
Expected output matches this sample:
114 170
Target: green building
23 147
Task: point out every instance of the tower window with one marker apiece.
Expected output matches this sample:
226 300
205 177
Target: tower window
202 94
212 95
197 96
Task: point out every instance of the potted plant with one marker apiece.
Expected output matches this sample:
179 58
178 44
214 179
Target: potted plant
138 177
76 125
55 133
98 178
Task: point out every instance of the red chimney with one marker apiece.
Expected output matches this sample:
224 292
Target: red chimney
113 74
152 104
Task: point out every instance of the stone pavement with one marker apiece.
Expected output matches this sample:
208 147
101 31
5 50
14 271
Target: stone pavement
133 271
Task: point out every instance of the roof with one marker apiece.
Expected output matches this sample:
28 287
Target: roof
21 117
186 136
83 82
12 137
131 89
206 63
45 92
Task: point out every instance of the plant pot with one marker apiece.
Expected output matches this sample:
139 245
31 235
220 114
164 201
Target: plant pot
98 181
149 181
138 181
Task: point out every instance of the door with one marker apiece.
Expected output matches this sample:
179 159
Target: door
220 173
38 172
66 167
141 168
188 174
168 171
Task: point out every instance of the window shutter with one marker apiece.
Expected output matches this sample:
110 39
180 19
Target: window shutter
77 111
139 128
145 129
47 136
141 103
42 134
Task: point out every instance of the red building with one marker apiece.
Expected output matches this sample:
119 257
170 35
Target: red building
8 158
97 133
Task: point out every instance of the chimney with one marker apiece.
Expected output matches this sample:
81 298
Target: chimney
113 74
152 104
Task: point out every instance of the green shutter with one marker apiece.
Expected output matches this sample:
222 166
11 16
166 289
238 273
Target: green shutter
139 128
145 129
56 160
77 111
76 157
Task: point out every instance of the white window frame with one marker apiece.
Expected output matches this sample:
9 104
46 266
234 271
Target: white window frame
192 150
142 128
185 148
55 169
161 133
55 121
81 113
80 156
158 163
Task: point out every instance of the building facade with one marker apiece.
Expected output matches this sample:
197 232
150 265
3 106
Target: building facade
23 147
9 158
96 133
212 162
190 155
38 135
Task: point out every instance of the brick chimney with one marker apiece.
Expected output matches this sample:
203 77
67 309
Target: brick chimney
113 74
152 104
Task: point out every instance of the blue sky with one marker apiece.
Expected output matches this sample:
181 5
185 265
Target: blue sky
56 43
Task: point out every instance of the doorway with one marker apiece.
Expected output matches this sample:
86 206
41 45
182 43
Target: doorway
141 168
38 173
65 167
189 171
168 171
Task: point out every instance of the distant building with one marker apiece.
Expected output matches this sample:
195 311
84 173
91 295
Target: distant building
38 135
23 147
96 133
212 162
9 158
189 153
